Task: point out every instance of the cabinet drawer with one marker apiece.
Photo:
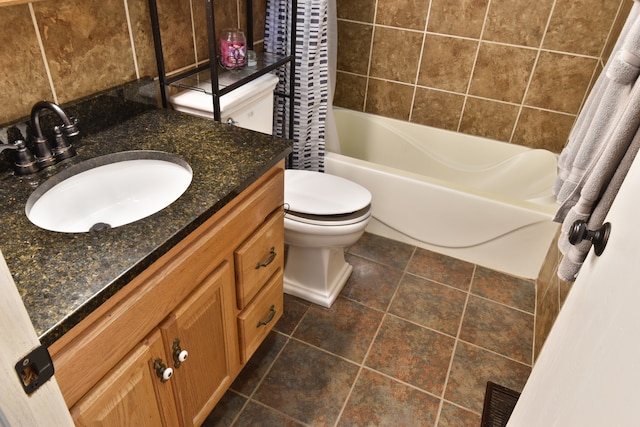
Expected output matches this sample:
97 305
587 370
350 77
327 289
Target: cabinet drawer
255 322
259 257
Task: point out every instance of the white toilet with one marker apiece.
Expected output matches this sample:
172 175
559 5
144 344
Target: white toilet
324 213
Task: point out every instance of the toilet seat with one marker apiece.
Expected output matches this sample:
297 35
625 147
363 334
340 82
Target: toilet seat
326 200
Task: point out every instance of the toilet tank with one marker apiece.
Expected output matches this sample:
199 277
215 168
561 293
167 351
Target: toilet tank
250 106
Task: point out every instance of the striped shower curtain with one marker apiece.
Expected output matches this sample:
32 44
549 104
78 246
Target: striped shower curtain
312 98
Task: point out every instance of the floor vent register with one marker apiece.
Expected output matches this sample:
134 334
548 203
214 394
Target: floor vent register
499 402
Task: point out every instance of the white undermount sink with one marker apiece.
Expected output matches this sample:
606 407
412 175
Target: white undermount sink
109 191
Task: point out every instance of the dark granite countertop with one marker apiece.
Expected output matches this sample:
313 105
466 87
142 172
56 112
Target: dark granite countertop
62 277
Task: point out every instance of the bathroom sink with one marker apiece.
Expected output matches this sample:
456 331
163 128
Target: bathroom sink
109 191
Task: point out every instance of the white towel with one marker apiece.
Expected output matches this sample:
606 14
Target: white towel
598 143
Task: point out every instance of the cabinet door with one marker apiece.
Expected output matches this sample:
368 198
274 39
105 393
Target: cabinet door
200 324
131 394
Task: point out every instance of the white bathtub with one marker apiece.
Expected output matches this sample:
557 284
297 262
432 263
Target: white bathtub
479 200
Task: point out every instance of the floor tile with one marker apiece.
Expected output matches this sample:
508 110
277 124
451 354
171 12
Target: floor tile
412 340
381 401
260 415
498 328
455 416
371 283
429 303
385 251
412 354
441 268
346 329
471 369
508 290
225 411
307 384
258 365
294 310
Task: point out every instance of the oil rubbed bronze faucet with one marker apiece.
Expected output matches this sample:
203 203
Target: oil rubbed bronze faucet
48 154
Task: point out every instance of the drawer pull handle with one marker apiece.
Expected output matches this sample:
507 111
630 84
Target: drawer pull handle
272 313
269 260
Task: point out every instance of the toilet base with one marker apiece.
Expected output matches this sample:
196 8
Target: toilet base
316 274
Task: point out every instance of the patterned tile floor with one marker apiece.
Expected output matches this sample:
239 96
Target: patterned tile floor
411 341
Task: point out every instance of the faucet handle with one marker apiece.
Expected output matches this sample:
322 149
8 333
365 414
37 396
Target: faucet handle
62 149
71 129
25 163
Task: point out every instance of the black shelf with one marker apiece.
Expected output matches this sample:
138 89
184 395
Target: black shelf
200 78
221 81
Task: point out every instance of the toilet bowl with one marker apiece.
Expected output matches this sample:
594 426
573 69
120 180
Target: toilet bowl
324 214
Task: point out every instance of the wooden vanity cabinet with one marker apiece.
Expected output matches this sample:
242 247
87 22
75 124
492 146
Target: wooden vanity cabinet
215 295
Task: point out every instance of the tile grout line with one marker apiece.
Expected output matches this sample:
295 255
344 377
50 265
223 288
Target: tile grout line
453 352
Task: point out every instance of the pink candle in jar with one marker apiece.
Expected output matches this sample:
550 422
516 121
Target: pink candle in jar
233 48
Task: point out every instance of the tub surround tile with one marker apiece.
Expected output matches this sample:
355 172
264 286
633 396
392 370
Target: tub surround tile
429 304
389 99
381 401
580 27
447 62
29 80
436 108
371 284
87 44
519 22
547 311
504 330
502 72
489 119
487 90
412 354
562 91
463 18
395 54
355 59
346 329
350 91
307 384
441 268
543 129
508 290
356 10
411 14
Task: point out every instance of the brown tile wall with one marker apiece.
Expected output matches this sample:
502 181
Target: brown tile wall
67 49
515 71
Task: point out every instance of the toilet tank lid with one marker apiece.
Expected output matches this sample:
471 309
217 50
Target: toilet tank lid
318 193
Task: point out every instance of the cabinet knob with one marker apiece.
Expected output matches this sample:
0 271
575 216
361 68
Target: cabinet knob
162 371
179 355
